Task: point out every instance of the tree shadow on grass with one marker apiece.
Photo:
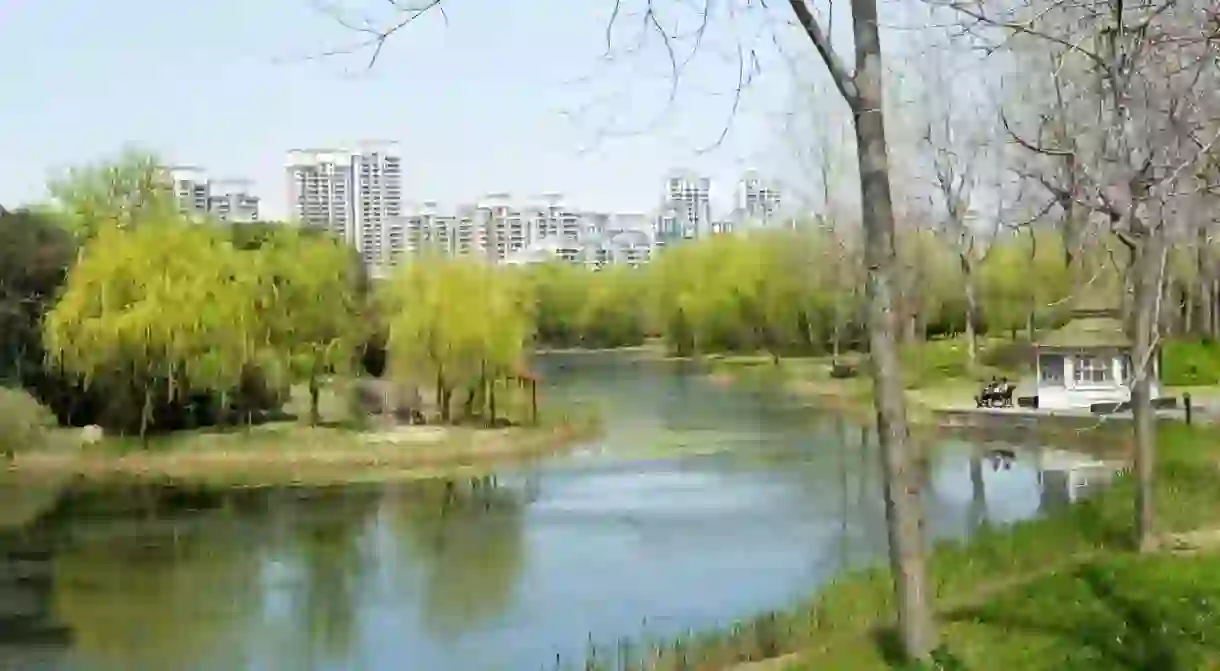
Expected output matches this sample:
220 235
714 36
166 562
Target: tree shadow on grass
889 644
1160 632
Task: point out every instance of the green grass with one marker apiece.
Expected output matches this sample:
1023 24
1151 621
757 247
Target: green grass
1028 596
1119 612
1187 363
938 361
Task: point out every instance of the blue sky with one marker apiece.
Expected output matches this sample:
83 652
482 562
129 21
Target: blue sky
509 96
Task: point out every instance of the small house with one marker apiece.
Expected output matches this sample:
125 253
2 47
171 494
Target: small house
1088 362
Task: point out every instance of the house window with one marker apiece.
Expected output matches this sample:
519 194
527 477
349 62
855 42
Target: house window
1050 370
1094 369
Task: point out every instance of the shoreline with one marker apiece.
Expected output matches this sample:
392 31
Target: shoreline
1000 568
927 405
289 453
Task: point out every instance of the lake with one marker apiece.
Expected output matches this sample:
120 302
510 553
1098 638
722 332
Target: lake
703 503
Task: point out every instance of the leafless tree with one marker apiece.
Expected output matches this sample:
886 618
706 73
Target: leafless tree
956 143
861 88
1132 80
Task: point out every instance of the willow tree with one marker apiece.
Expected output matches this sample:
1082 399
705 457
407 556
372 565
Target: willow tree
1010 301
153 312
457 321
560 295
118 192
310 305
611 314
696 304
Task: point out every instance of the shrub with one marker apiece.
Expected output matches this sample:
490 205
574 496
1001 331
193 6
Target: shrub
24 422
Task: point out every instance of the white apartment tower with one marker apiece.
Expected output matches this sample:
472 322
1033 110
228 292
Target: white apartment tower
376 200
320 190
232 200
192 190
688 197
200 197
758 201
356 194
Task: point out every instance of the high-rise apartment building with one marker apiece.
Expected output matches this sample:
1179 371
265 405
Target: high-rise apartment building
199 197
192 189
498 230
688 203
356 194
758 201
377 198
320 190
426 230
232 200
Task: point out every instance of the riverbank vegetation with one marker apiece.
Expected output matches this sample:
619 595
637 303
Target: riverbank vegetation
1065 591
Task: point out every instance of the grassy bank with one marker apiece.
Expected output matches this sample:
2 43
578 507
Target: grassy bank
290 453
293 452
1062 592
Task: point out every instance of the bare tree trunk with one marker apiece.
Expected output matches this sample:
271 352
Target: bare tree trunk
1146 281
1205 301
902 503
315 392
491 401
971 309
1186 309
446 403
1213 303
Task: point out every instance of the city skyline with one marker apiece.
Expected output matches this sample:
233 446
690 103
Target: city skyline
355 192
753 196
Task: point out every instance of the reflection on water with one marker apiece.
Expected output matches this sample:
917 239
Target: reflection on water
703 504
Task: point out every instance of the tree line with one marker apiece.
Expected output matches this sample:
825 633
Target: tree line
121 311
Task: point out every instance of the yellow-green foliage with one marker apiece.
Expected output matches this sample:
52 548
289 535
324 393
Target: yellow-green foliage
610 315
455 320
123 192
167 308
23 422
170 301
574 306
1024 270
771 291
312 312
931 279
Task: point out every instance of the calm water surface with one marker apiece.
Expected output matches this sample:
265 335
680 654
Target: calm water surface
701 505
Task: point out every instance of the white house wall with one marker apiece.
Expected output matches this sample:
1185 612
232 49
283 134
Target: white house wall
1073 397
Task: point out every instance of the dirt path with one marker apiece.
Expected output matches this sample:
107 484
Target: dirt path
1191 542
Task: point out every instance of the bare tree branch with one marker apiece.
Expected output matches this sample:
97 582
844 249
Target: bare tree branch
843 79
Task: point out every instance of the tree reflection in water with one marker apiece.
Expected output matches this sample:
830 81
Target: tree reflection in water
134 600
977 512
467 537
324 533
